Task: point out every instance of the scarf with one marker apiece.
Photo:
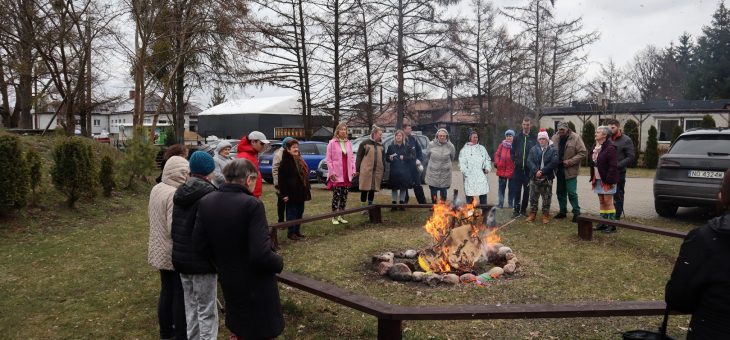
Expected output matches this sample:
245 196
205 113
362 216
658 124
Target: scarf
506 144
302 168
596 151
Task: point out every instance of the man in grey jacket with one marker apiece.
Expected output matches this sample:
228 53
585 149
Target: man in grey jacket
626 155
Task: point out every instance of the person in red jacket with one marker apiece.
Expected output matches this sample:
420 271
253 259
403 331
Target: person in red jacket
505 167
249 148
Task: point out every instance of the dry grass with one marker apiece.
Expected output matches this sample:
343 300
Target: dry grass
83 274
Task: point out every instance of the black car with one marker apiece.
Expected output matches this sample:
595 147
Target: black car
691 172
387 141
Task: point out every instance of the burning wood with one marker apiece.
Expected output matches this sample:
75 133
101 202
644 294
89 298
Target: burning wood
461 238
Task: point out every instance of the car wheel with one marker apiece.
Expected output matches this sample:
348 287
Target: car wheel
665 209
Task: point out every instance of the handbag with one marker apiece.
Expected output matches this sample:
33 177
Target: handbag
650 335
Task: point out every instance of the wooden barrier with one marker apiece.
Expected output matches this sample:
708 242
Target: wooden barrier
390 317
585 227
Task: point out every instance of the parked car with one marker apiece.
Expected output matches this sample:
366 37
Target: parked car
387 141
312 152
690 173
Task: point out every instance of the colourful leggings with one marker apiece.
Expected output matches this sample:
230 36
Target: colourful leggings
339 198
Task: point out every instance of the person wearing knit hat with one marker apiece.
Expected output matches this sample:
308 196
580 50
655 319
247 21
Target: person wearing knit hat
505 169
198 276
222 157
201 163
280 204
541 162
571 151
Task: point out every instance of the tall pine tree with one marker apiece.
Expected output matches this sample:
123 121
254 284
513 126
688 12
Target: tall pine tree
712 71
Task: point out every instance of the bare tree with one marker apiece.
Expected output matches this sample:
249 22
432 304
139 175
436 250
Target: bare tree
18 21
611 83
644 71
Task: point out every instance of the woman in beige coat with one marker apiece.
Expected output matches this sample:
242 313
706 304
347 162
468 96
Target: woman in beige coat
440 153
171 306
369 165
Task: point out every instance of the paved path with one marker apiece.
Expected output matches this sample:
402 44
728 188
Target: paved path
639 195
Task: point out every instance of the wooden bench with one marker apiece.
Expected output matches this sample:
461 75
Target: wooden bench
585 227
390 317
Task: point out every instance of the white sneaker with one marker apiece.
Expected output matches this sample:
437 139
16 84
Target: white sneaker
342 220
335 221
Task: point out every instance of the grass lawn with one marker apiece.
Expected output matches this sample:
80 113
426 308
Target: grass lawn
83 273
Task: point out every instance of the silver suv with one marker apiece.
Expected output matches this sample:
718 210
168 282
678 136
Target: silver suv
691 172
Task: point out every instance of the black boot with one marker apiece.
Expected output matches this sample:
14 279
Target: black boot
609 229
402 208
393 208
575 218
560 215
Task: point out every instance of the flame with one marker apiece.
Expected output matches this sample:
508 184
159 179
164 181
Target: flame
440 225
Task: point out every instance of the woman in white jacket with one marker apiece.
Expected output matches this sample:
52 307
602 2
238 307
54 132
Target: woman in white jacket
171 305
475 164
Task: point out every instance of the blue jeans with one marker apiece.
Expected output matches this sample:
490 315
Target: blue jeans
294 211
440 191
482 199
504 182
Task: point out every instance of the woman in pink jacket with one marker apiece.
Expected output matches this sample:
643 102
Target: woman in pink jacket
341 167
505 167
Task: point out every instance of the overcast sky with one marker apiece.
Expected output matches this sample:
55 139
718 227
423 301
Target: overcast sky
626 26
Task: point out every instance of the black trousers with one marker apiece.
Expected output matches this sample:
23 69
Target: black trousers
521 185
171 307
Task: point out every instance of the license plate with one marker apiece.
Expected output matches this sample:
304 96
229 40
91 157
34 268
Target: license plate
706 174
265 161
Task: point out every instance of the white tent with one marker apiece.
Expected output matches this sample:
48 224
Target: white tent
287 105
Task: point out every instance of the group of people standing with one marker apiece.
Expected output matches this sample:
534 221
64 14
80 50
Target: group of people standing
208 226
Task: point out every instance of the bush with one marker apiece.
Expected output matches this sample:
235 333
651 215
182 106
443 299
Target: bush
589 138
139 160
106 175
73 169
35 176
631 129
571 126
651 154
708 122
550 132
676 132
13 175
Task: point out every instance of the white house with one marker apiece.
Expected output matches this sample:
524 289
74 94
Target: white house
664 115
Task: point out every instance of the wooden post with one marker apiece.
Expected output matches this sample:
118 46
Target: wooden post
389 329
374 213
585 230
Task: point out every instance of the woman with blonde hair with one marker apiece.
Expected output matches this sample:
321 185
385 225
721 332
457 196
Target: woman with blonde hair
440 153
341 169
369 165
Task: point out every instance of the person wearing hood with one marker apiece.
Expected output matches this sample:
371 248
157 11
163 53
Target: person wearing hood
173 150
369 165
541 162
222 158
440 153
249 148
197 274
231 230
475 164
171 305
700 281
505 168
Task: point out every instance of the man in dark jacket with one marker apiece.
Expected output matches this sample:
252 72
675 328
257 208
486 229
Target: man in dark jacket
231 229
700 281
521 145
196 272
626 155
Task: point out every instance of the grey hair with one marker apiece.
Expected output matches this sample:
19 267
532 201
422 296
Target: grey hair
239 170
606 130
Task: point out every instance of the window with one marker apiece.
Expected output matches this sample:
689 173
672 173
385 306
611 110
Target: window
702 145
308 149
124 120
322 149
665 129
97 122
692 123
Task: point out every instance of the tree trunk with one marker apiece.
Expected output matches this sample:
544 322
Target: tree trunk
482 114
300 64
337 63
308 117
180 100
369 117
401 81
538 101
